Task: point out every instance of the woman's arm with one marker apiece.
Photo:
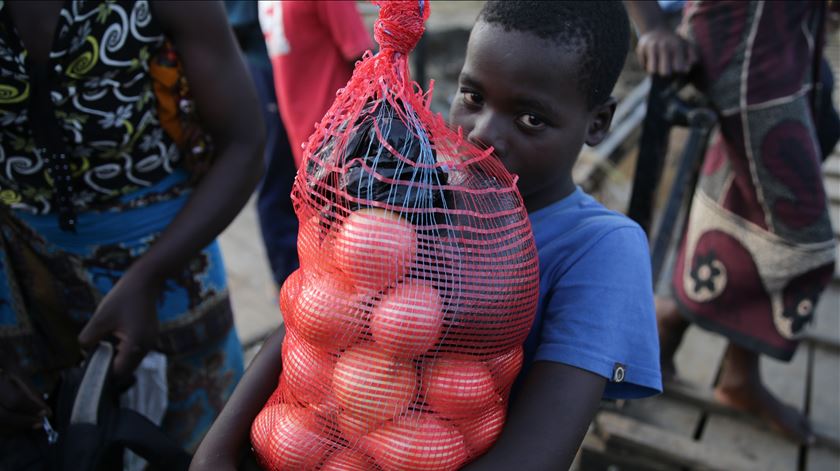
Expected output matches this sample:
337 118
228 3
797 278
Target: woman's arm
660 50
229 110
547 421
223 445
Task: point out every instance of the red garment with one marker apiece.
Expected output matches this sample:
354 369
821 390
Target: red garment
311 45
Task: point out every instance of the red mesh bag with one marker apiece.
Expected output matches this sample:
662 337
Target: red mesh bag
417 286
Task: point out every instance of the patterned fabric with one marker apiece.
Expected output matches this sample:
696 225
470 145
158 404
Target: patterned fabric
81 268
102 96
127 187
51 282
759 248
200 383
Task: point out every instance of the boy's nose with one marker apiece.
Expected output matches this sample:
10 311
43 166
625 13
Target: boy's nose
488 132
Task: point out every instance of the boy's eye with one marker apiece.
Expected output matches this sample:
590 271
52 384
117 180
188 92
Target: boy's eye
472 98
531 121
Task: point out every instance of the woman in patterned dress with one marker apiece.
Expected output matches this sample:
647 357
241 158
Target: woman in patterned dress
758 248
104 234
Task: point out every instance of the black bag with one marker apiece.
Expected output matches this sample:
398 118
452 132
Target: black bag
93 431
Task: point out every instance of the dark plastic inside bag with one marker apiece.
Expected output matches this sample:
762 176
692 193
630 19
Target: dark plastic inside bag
369 171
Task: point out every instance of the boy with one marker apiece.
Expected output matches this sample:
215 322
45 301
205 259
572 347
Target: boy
535 86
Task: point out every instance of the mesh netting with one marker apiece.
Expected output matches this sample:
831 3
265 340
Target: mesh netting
417 286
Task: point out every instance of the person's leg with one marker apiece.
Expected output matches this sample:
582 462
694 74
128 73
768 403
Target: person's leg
671 327
278 222
200 383
740 386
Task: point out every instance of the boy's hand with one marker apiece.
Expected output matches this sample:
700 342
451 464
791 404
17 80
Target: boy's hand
663 52
20 407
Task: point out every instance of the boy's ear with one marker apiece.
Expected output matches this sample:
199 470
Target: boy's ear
600 121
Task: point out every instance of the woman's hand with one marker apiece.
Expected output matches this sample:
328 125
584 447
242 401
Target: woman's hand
128 313
664 52
20 406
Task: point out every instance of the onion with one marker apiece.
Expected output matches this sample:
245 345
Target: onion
348 460
458 388
374 248
307 371
371 385
286 437
407 321
315 246
418 443
328 313
289 293
354 428
481 431
506 368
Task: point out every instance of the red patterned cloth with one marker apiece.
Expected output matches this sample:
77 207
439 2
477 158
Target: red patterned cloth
311 45
759 248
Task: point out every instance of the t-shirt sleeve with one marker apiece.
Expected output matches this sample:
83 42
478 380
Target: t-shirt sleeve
346 28
600 316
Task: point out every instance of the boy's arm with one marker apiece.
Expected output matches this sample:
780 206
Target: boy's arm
660 50
223 445
547 422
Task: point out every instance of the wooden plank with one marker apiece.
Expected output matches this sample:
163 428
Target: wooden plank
832 189
825 384
820 459
697 362
824 408
826 326
825 392
666 413
834 215
667 447
821 339
699 356
786 381
704 399
831 167
594 455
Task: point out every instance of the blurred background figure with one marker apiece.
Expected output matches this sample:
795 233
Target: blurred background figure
105 233
313 47
278 223
759 247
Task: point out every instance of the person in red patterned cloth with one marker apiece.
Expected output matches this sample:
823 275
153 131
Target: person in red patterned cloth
313 47
758 248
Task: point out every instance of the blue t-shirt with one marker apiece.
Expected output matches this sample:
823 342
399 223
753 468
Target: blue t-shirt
595 309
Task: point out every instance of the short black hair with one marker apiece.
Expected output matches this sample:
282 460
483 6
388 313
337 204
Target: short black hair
598 31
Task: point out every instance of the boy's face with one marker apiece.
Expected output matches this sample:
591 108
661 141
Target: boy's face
519 93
